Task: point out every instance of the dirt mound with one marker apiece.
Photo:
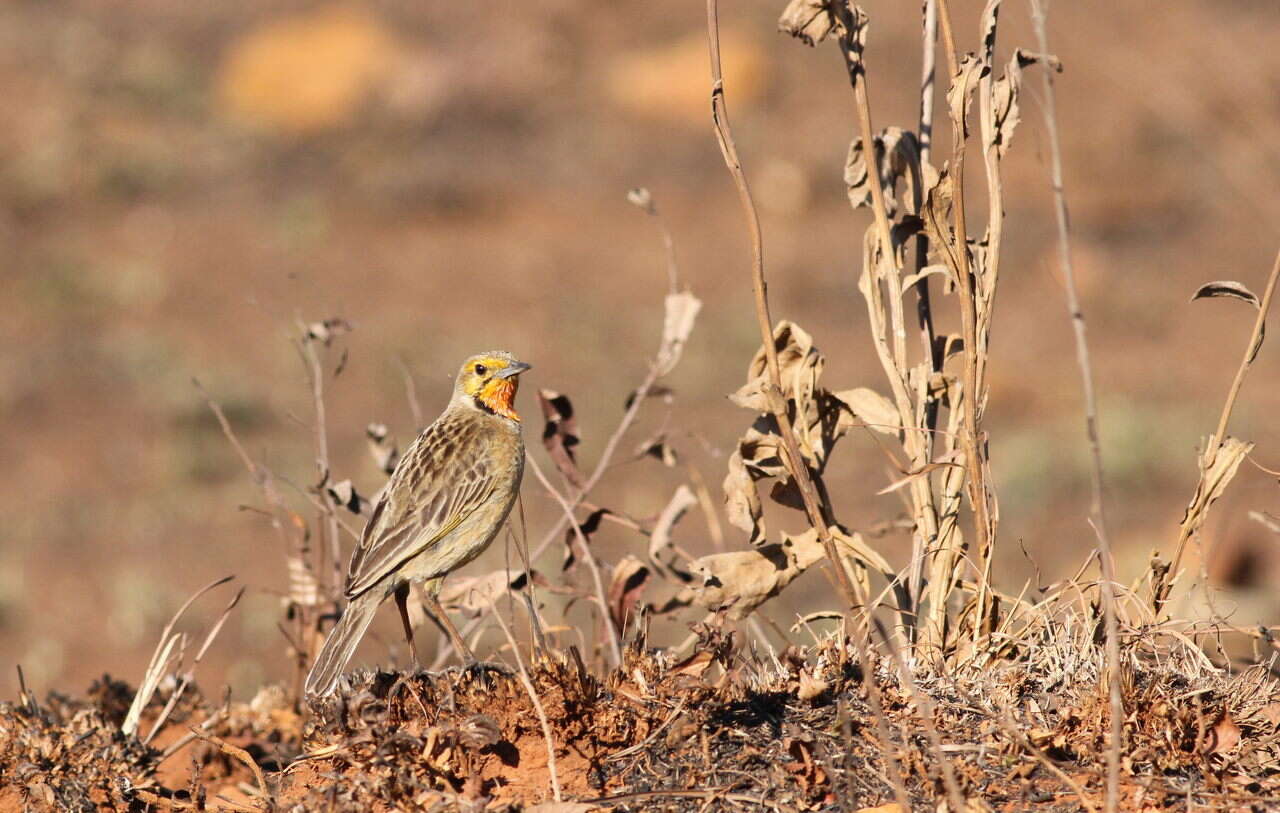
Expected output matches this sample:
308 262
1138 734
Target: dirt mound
724 729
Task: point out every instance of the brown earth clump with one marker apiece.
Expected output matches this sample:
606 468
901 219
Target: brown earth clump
722 729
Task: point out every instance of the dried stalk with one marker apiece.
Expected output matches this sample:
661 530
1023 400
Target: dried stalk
1190 523
794 461
975 460
1039 13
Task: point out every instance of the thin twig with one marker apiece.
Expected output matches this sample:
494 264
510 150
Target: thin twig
411 393
615 646
1039 13
796 465
238 753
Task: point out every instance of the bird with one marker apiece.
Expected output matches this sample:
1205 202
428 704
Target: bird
447 498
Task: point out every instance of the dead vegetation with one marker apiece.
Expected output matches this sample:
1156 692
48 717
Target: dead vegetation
934 688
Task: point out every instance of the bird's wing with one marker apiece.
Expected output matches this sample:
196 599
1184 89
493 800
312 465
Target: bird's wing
442 478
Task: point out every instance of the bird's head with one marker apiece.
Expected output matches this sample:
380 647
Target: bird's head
488 382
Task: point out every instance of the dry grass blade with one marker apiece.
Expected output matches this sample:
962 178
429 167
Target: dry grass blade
189 675
163 651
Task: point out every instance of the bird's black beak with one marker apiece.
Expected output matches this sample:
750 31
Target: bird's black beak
512 370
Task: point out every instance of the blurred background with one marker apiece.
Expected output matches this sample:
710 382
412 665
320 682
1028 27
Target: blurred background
180 182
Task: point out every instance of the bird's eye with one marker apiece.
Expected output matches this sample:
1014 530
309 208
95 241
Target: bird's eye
481 369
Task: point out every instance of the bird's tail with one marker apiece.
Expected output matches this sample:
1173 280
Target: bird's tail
341 643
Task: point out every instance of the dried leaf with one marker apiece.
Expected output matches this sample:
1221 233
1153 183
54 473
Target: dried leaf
657 447
382 446
929 270
1218 466
1224 736
1228 288
896 153
625 586
891 807
560 434
588 527
676 507
962 87
1004 101
739 582
810 21
345 495
799 366
328 330
874 410
741 500
681 311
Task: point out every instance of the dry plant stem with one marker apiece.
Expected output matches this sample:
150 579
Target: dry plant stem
924 310
315 375
1186 530
238 753
615 646
280 516
1039 12
610 448
974 460
795 462
523 674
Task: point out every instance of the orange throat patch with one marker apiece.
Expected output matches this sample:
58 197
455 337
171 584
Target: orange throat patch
499 396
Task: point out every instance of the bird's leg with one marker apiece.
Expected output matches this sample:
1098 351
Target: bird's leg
402 604
433 608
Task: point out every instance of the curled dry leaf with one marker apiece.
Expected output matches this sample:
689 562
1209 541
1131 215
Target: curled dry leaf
625 586
328 330
560 434
640 197
345 495
810 21
962 87
658 448
382 446
588 527
739 582
799 366
674 510
1224 736
1004 101
873 410
741 500
680 313
1218 466
896 154
1227 288
1233 290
